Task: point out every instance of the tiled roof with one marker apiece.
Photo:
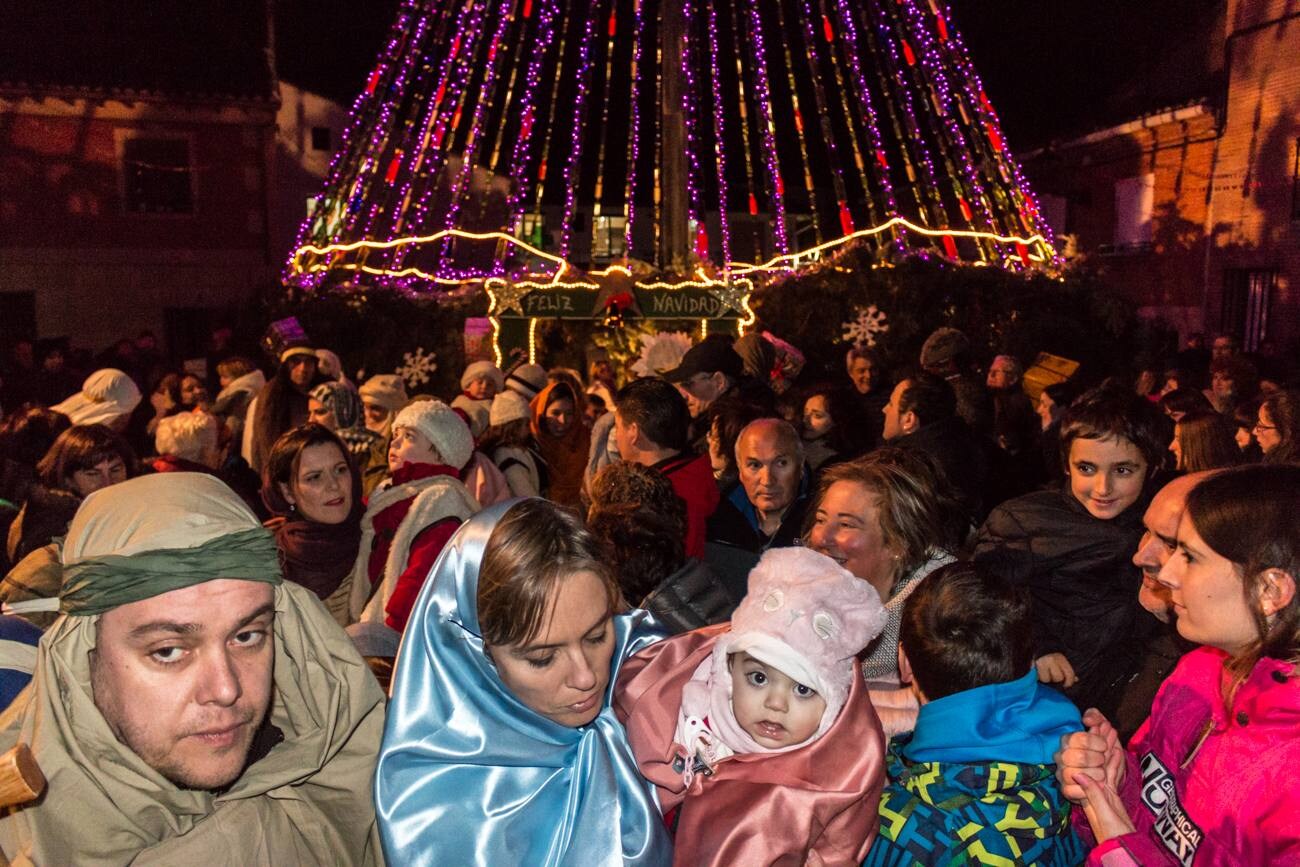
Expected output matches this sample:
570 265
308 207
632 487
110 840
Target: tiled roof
189 48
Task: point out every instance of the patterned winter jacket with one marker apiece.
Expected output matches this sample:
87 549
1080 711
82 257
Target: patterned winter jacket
974 783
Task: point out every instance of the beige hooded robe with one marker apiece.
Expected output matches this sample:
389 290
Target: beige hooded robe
307 802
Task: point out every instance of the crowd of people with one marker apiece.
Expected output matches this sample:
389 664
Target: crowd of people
699 611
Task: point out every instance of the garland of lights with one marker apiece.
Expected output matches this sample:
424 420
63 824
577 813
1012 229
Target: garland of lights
806 163
459 92
634 121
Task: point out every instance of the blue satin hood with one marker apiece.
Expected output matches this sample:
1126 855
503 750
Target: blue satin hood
468 774
1019 721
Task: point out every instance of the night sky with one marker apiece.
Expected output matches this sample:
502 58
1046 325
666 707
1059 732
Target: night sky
1052 68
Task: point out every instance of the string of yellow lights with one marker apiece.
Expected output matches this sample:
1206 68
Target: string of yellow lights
786 262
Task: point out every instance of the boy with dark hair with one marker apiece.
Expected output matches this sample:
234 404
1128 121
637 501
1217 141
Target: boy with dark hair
974 782
1072 548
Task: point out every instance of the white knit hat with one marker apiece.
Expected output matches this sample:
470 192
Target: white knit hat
507 407
483 370
443 427
527 380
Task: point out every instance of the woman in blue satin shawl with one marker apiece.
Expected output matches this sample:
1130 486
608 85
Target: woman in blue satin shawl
500 746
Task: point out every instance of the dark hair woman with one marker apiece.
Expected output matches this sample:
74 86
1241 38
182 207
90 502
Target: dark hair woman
313 489
1278 427
500 739
281 405
84 459
1223 726
830 425
1204 441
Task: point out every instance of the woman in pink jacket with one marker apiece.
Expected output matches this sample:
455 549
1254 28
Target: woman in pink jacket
1210 778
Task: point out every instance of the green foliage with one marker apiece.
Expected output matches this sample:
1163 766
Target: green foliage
1076 317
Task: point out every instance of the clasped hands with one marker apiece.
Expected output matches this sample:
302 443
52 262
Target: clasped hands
1090 767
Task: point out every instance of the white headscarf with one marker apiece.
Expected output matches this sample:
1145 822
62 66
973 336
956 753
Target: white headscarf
106 395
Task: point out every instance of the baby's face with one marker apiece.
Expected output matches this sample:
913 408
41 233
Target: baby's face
482 388
775 710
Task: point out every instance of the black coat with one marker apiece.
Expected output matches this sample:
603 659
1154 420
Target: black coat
964 456
734 545
1083 584
46 514
690 598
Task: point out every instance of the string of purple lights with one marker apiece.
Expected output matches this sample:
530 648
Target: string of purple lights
876 105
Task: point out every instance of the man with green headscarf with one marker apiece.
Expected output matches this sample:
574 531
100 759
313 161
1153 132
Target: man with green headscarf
189 707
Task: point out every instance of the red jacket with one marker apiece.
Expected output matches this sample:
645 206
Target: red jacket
424 549
692 479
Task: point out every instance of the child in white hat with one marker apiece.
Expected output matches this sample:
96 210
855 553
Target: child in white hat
480 382
409 518
508 441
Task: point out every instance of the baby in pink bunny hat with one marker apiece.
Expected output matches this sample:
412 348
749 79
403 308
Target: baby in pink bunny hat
758 735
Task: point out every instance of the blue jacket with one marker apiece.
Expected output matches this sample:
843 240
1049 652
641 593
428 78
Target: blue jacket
975 784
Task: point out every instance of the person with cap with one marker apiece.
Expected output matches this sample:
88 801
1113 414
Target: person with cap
481 477
946 354
408 521
331 367
337 406
480 382
383 395
710 371
508 441
759 735
107 397
190 707
282 403
527 381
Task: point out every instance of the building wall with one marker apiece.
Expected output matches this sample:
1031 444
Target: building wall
299 168
99 271
1255 176
1177 151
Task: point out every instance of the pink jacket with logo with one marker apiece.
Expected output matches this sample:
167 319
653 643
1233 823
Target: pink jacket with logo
1235 800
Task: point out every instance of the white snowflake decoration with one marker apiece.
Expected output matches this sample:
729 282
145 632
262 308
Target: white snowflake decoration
661 352
868 323
417 367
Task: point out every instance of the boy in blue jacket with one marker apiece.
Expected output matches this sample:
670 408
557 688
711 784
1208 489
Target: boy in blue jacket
974 782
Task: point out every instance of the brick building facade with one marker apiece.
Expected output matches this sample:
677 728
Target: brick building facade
1195 209
134 182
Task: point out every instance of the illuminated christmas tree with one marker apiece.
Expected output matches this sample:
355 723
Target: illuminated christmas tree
525 139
